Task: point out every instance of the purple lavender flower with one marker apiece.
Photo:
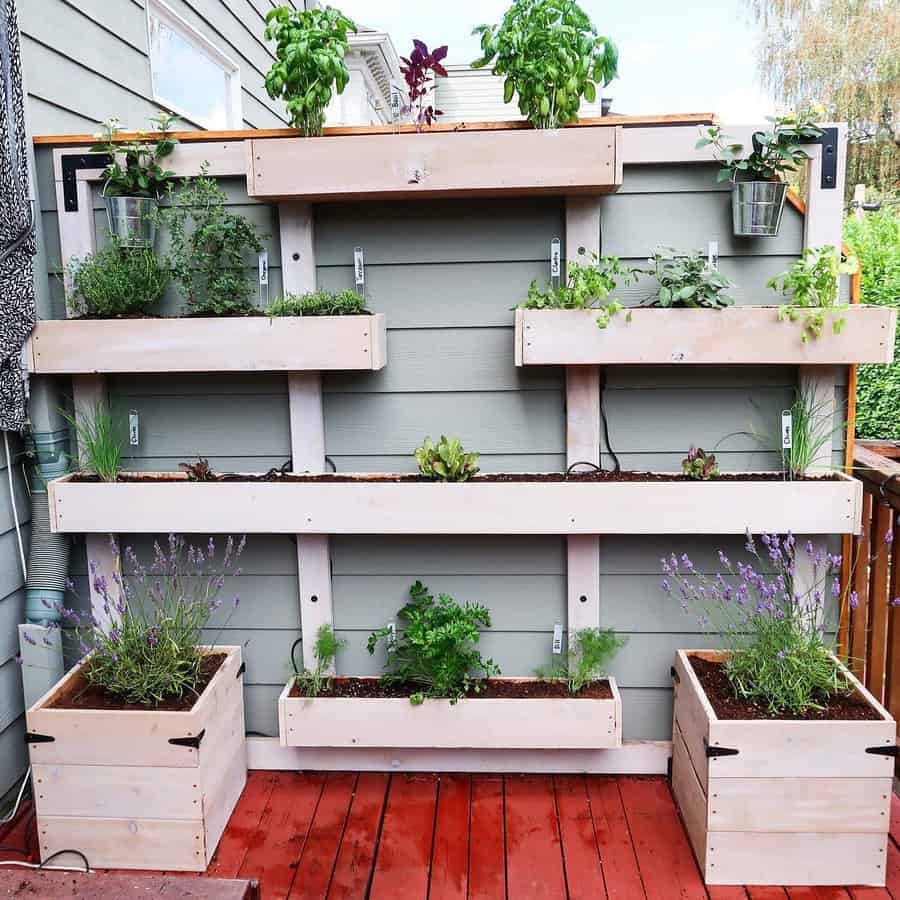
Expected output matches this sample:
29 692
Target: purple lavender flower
854 600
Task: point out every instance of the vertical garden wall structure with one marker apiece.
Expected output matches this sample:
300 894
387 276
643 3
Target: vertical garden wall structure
446 271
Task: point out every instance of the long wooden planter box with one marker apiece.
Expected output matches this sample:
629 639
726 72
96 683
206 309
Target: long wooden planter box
488 723
740 335
168 502
460 163
128 788
781 802
246 344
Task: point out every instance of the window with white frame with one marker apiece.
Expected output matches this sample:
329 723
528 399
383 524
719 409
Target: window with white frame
190 75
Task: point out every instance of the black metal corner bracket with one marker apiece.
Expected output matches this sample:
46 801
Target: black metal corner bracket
713 752
829 141
71 163
890 750
32 737
241 670
674 673
193 742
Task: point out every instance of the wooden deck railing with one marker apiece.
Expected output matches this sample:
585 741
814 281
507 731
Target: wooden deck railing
870 628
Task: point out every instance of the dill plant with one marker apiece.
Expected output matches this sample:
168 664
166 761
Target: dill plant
311 683
589 653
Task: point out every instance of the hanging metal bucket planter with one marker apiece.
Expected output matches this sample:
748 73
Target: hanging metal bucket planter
132 220
756 207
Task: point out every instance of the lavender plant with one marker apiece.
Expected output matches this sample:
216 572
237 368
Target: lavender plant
146 650
777 630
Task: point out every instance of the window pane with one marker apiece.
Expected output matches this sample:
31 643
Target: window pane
187 78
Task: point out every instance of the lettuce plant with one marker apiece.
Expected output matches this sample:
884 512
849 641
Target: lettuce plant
700 465
446 461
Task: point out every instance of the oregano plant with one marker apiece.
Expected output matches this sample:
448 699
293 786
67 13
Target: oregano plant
309 62
551 56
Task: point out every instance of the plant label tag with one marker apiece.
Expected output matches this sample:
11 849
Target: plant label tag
712 255
557 639
555 259
264 267
787 430
359 268
396 101
392 640
134 428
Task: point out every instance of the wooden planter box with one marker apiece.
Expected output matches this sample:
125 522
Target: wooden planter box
128 788
168 502
448 163
740 335
785 802
246 344
489 723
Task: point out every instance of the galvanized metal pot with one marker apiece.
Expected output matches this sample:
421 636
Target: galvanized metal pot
131 220
756 207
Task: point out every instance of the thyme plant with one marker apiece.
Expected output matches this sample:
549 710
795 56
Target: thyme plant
435 647
589 653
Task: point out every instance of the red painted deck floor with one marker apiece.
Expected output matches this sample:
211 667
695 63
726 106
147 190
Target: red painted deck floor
483 837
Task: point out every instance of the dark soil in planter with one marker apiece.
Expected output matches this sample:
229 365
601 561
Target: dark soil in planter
492 688
720 694
81 695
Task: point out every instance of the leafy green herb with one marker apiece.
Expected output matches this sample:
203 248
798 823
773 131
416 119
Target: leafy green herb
551 57
686 279
99 443
135 170
590 650
812 283
446 460
319 303
313 683
775 152
700 465
309 66
210 249
588 285
435 646
116 281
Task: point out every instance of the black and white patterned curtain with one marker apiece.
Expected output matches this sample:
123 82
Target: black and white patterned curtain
17 245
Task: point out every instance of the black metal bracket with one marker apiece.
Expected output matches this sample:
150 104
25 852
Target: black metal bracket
713 752
193 742
32 737
674 673
891 750
241 670
829 141
669 770
70 165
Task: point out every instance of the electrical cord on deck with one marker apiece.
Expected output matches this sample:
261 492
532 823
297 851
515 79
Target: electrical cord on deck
616 467
294 647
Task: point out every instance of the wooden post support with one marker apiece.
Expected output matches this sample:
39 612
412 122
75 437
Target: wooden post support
307 428
582 430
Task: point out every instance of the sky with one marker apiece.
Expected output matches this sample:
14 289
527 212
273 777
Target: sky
692 56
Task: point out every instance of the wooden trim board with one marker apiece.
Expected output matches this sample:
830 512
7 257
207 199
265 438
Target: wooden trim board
159 503
480 723
740 335
435 163
247 344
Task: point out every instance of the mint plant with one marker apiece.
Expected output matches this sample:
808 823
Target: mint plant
687 280
589 653
551 56
136 170
435 647
421 69
315 682
446 461
699 465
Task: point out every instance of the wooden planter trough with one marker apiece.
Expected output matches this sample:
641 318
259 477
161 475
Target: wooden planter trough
245 344
740 335
159 503
781 802
482 724
139 790
447 163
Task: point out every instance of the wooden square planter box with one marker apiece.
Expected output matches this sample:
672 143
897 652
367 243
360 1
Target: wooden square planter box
436 163
488 723
740 335
372 504
242 344
139 790
781 802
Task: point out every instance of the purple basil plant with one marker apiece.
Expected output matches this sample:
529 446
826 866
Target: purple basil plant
144 642
420 70
777 626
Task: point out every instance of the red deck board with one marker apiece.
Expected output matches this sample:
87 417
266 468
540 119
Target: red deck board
893 870
620 869
243 824
277 843
356 857
321 848
766 892
817 893
404 851
487 839
581 854
534 863
664 855
725 892
450 854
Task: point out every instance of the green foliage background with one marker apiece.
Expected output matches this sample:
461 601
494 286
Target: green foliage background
876 241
